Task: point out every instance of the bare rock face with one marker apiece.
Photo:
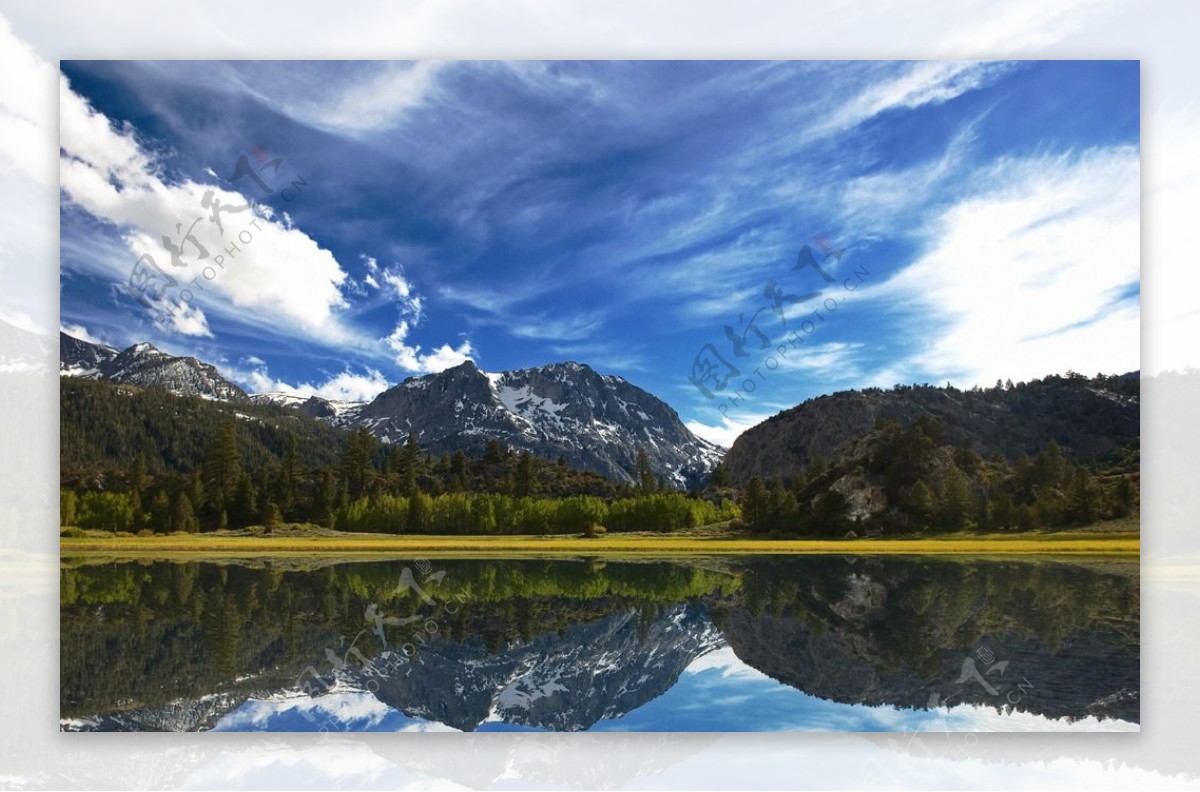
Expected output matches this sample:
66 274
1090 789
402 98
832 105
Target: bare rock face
595 421
146 366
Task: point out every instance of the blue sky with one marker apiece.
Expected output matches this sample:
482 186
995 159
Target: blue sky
620 214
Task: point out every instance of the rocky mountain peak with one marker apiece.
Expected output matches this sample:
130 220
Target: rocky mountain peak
145 365
595 421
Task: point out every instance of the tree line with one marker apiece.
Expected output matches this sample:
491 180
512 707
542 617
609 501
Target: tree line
390 488
931 486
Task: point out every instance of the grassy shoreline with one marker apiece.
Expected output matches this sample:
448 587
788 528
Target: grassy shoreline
1081 542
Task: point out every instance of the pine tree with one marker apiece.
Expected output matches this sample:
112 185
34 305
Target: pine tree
137 481
285 491
223 466
160 512
243 509
831 513
412 464
357 467
956 503
270 516
719 477
781 506
183 517
1002 513
195 490
493 454
921 503
754 504
643 473
1052 468
1123 498
523 480
1084 499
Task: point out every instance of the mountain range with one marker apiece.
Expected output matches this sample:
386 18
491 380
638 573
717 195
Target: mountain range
593 421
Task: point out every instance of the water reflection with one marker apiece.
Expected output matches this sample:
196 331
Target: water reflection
720 644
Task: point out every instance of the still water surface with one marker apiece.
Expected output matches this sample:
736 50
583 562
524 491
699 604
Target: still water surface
713 644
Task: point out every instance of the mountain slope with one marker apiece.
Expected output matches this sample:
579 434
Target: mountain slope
145 365
595 421
1087 417
105 426
334 411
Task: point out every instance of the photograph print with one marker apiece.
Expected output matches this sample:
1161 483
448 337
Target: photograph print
565 396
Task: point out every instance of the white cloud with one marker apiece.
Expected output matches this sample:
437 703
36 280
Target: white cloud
375 97
1172 193
727 429
346 386
828 358
1015 26
187 319
573 328
622 357
81 332
25 108
28 159
409 357
262 271
21 320
408 301
922 83
870 204
1019 281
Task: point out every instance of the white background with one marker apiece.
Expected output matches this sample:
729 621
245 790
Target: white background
35 35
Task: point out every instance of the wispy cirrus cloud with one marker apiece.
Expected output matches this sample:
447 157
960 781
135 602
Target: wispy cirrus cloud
1036 272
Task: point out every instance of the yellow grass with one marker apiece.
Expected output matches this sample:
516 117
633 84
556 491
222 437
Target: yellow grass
1073 543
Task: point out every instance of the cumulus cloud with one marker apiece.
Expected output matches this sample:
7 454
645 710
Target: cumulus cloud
81 332
346 386
409 303
409 356
248 264
727 429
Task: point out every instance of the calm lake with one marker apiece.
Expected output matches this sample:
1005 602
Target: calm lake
813 643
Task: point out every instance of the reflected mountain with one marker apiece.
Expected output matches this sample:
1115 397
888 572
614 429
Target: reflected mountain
586 644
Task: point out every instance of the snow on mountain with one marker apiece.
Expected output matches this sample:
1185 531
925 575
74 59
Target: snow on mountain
564 681
336 411
147 366
595 421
